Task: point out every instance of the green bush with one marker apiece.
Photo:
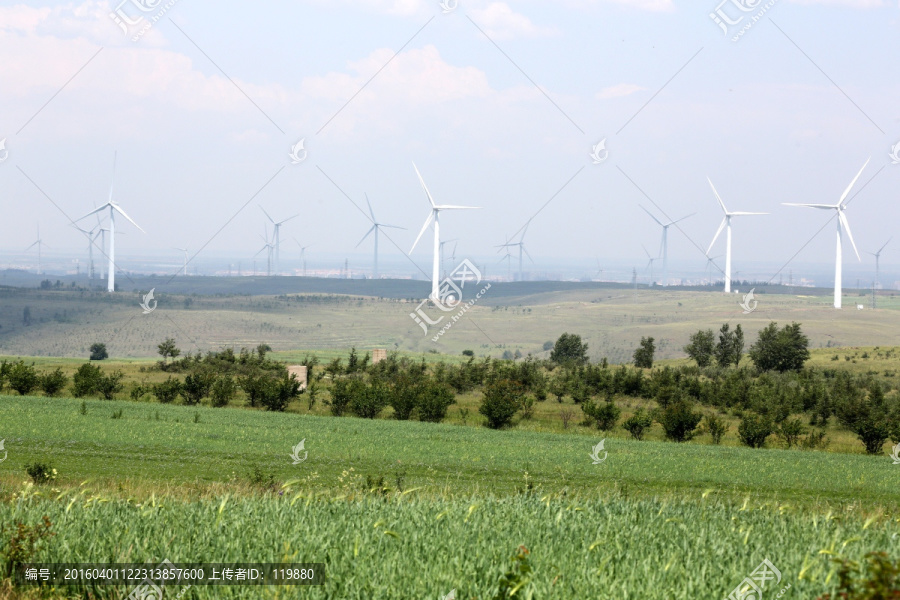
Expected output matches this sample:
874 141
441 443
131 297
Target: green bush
41 472
53 382
500 401
643 356
754 429
371 401
605 414
880 580
637 423
873 434
404 397
436 399
280 391
716 427
22 378
790 431
86 380
99 352
223 390
110 385
198 385
678 420
168 390
342 392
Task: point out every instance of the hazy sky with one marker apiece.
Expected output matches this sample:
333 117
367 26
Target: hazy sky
498 103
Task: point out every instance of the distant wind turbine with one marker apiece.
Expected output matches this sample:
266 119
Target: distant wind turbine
664 244
376 227
40 244
268 247
521 245
726 222
434 217
842 224
302 255
113 209
650 263
877 256
276 238
91 238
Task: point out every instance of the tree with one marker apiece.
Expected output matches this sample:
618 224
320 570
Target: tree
605 415
168 390
701 347
637 423
86 380
168 348
730 347
22 378
98 351
678 420
569 349
197 385
223 390
110 385
53 382
501 400
754 429
643 356
437 397
780 350
873 433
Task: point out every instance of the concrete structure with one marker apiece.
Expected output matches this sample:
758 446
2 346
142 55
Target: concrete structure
378 355
300 372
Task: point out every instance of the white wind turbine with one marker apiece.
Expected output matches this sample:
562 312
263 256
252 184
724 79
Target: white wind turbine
443 259
664 244
91 238
268 247
434 216
650 263
302 255
376 227
877 256
842 224
40 244
113 209
184 268
521 245
726 222
276 237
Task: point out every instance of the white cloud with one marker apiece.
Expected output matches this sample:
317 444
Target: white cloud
618 91
500 22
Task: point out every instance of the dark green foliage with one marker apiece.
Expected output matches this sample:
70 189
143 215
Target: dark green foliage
25 542
790 432
22 378
40 472
86 380
730 346
637 424
168 390
168 348
605 414
436 399
754 429
99 352
223 390
279 391
256 385
468 353
569 349
780 350
515 582
198 385
342 393
873 433
53 382
678 420
643 356
500 402
701 347
110 385
879 580
716 427
371 401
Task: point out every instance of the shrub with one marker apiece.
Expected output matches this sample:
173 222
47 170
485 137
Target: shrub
790 432
223 390
754 429
643 356
701 347
569 349
168 390
370 402
468 353
110 385
41 472
198 385
605 415
53 382
404 396
815 439
99 352
873 434
678 420
435 400
880 580
637 423
716 427
86 380
22 378
500 402
780 350
25 542
342 392
279 392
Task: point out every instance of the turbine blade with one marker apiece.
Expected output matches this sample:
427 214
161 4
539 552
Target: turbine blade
718 233
371 212
112 183
528 255
744 214
719 198
645 251
852 183
455 207
651 215
809 205
30 247
265 213
846 225
282 222
421 233
885 244
96 210
365 236
122 212
682 218
424 187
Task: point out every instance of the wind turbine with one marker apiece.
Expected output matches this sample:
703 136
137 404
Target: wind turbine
268 248
521 245
302 255
376 227
184 269
435 217
710 261
842 224
276 237
113 209
91 237
664 244
650 263
40 244
444 260
508 258
877 256
726 222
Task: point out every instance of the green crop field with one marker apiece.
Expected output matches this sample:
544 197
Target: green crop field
449 507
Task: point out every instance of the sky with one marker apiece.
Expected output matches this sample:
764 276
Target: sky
499 104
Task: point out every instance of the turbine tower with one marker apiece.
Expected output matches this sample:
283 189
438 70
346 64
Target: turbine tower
650 263
842 224
877 256
40 244
435 217
664 244
113 209
276 238
302 255
726 222
521 245
91 238
184 269
268 247
376 227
